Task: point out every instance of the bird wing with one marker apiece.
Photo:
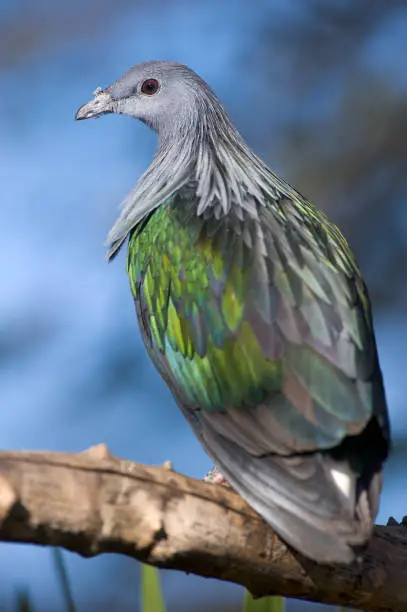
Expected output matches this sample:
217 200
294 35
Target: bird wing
263 330
263 321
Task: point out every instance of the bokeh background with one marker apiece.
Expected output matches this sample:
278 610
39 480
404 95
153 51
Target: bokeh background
317 87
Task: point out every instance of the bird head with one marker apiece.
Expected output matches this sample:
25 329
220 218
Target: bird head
164 95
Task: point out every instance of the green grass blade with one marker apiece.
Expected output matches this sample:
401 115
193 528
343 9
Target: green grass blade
23 601
63 579
151 597
264 604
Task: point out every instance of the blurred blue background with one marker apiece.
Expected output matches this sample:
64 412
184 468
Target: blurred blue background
317 87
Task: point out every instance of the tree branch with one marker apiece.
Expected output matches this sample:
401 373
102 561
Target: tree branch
92 503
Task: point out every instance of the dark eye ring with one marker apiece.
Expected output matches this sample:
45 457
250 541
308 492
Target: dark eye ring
150 87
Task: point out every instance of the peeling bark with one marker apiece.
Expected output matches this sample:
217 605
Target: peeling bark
92 503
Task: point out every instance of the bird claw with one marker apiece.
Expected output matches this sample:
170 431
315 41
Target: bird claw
215 477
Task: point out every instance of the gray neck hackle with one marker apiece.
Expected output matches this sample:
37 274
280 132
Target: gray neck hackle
200 154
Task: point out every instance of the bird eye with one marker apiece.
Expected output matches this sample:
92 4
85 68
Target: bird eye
150 87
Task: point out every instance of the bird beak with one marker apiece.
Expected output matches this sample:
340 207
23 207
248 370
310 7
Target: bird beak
101 104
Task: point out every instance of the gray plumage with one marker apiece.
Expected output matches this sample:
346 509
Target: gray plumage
199 150
253 310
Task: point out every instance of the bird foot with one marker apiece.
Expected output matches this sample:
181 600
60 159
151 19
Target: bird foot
214 476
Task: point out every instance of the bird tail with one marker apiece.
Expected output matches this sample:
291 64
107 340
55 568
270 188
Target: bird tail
320 503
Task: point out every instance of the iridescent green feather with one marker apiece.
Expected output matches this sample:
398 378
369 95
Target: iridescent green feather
242 321
255 314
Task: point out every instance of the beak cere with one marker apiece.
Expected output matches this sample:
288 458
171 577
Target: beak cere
101 104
